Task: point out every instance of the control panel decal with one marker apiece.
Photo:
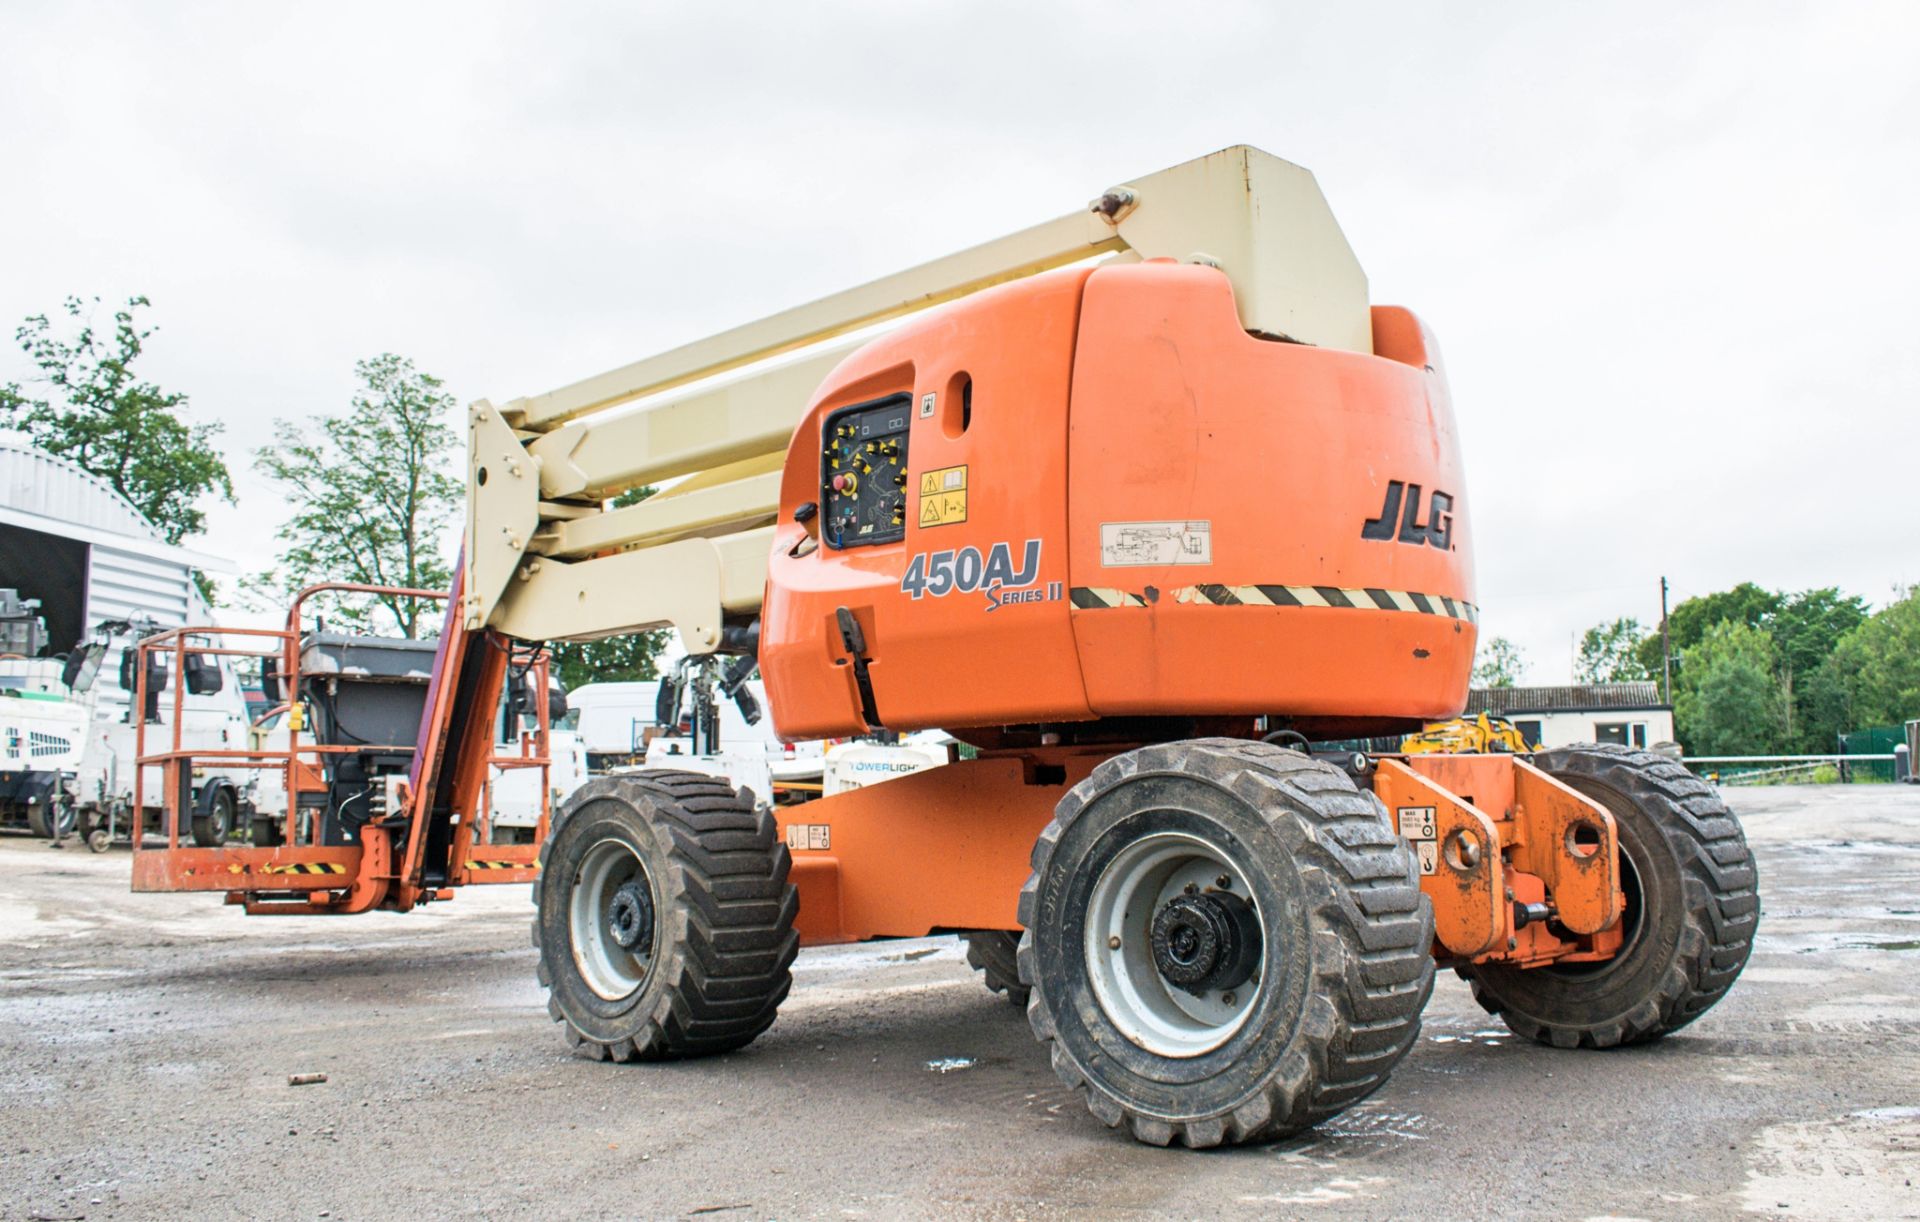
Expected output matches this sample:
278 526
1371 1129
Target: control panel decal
863 474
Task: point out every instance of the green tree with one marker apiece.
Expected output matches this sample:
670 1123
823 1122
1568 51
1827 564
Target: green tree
1689 622
1609 653
617 659
1873 676
1499 664
98 414
1806 628
1727 701
373 496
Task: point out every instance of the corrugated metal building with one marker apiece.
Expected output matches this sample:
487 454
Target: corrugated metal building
68 539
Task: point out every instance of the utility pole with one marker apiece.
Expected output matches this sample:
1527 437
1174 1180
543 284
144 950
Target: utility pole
1666 649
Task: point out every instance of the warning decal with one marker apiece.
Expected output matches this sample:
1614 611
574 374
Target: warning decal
1417 824
943 496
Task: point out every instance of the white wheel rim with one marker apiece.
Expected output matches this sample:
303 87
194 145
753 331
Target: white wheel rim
1148 1010
611 970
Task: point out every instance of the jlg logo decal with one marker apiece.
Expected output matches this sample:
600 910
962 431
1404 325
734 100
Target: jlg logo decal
1393 522
938 574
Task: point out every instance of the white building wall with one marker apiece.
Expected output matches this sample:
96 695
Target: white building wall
1643 727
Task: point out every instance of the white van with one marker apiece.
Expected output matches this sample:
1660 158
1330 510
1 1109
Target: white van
615 722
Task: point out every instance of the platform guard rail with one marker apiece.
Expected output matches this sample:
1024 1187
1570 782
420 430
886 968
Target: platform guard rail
299 874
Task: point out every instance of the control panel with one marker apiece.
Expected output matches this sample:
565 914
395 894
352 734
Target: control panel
863 473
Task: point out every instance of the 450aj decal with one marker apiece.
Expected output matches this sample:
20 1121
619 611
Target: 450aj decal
938 574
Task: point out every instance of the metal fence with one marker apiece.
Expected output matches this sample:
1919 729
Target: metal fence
1835 769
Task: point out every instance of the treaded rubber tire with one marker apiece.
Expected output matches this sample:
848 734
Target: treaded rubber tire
1698 908
213 829
59 827
1340 898
723 909
995 954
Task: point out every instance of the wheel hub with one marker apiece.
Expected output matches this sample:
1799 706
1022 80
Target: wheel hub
1173 943
611 919
1206 942
630 916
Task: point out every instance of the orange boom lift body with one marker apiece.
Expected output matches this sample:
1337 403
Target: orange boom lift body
1161 538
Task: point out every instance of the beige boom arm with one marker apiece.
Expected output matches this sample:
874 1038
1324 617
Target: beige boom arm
546 560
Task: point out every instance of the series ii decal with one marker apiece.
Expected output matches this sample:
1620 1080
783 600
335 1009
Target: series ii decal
964 570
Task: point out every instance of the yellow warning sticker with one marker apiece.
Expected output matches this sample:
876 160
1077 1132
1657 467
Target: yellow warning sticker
943 496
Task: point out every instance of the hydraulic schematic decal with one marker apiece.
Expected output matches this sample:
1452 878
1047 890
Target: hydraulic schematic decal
1134 544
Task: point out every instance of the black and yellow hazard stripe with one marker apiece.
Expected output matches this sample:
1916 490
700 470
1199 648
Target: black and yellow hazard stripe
1093 598
306 867
503 865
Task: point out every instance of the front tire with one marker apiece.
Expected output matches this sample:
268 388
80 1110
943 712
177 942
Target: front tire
212 829
1226 942
665 924
1692 909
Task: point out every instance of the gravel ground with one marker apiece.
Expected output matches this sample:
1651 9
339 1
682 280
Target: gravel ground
146 1043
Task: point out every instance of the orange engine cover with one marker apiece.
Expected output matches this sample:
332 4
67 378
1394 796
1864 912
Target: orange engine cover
1090 494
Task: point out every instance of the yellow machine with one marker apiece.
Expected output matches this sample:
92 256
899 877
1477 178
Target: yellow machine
1467 735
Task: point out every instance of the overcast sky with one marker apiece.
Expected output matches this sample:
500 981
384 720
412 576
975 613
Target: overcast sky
1670 250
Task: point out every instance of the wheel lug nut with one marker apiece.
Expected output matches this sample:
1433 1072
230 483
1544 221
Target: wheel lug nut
1226 998
1224 882
1192 889
1113 943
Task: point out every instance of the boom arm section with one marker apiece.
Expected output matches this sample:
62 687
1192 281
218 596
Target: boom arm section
548 561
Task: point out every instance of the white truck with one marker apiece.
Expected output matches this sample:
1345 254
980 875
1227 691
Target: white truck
42 728
212 711
862 762
514 802
67 731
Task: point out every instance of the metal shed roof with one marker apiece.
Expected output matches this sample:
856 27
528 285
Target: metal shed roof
1572 698
41 492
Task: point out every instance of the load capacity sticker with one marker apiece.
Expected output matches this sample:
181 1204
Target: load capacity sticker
809 835
1418 827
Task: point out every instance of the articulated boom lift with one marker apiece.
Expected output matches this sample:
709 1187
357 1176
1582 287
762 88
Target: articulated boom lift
1153 508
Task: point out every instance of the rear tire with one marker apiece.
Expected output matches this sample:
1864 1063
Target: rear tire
1692 909
665 924
995 954
1275 890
